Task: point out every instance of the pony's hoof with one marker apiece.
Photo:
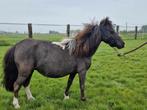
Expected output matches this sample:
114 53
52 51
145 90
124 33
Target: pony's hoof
31 98
66 97
15 103
17 106
83 98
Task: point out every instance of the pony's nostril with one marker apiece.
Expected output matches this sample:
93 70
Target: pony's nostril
123 44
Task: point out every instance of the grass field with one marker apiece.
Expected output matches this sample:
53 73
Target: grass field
113 83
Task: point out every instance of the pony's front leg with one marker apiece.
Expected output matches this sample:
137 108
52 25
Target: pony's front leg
82 76
70 80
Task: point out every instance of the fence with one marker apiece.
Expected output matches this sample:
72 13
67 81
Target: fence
130 32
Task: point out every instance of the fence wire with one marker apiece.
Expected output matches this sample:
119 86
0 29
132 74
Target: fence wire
127 32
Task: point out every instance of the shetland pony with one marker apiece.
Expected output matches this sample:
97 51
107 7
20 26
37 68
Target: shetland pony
53 61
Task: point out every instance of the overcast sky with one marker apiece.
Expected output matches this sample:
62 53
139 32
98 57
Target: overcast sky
134 12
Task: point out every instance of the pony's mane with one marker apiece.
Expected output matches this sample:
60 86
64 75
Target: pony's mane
86 31
86 40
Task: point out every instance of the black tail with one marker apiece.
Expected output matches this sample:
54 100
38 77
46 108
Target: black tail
10 70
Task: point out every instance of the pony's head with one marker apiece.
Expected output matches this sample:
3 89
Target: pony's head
108 34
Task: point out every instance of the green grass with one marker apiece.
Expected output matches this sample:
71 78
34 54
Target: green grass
113 83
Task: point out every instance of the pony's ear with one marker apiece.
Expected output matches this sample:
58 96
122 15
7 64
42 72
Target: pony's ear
107 19
104 21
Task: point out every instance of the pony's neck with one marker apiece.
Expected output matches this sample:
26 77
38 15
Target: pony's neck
97 43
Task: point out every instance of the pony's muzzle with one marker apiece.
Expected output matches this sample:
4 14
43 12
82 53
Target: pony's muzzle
120 45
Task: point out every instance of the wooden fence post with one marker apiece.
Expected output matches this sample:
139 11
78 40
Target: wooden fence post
68 30
117 28
30 33
136 32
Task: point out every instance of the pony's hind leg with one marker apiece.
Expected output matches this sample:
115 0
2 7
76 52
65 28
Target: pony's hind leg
17 86
70 80
23 74
28 93
27 88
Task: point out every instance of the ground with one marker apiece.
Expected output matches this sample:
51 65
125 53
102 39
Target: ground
112 82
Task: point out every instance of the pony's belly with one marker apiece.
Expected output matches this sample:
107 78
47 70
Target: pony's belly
56 72
56 66
54 75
